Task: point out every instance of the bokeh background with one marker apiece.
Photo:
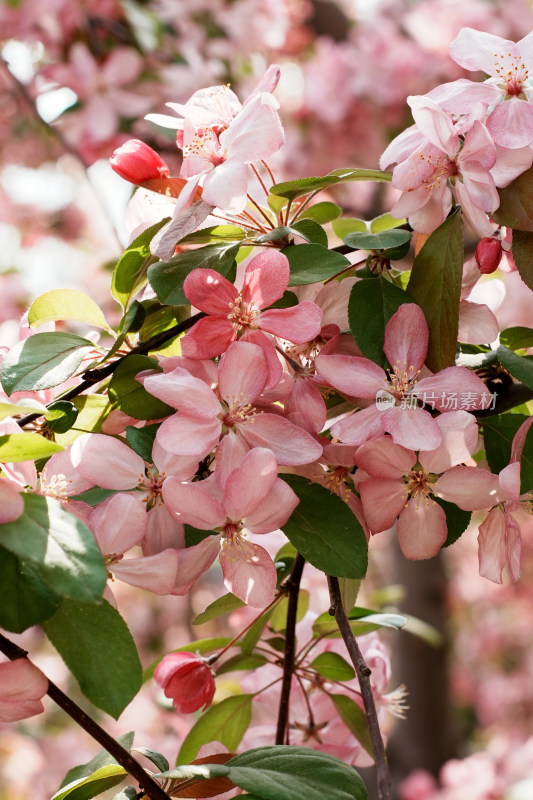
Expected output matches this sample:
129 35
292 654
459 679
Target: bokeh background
77 78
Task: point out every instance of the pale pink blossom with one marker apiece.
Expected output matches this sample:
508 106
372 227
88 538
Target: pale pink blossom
22 685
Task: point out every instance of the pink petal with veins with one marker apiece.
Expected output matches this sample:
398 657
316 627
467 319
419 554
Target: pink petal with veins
406 338
157 573
248 572
106 462
242 373
209 291
352 375
381 458
265 279
290 445
208 338
470 488
383 499
413 428
275 509
193 505
422 528
298 324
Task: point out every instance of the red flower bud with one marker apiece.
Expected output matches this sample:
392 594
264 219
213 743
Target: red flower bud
186 680
136 162
489 254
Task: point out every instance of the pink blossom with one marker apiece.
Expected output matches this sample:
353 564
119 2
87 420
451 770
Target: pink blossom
233 314
489 253
22 685
186 680
137 162
406 343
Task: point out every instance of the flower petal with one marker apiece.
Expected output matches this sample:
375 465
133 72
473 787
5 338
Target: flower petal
248 572
422 528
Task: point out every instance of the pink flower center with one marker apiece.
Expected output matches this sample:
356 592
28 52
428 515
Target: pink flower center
336 482
205 144
238 412
56 486
242 316
151 483
402 379
443 168
512 72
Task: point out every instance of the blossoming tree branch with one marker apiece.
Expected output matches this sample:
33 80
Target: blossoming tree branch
266 377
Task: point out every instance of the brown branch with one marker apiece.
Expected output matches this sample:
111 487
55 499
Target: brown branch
94 376
363 674
293 587
119 753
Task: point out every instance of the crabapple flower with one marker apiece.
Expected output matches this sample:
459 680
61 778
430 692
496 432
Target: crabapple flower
187 680
243 493
22 685
405 345
233 314
136 162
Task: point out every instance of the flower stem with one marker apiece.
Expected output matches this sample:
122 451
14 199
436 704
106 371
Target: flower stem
363 674
293 587
151 788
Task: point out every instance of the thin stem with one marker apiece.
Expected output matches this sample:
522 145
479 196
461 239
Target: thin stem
261 211
94 376
346 269
304 204
151 788
363 674
260 179
293 586
272 178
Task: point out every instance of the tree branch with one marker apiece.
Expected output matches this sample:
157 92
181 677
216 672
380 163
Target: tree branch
363 674
119 753
293 587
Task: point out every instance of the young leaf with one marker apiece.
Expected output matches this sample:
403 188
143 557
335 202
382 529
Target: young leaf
25 599
42 361
372 303
156 758
242 661
92 411
97 783
226 722
333 667
28 446
97 647
278 620
517 337
322 212
130 396
223 605
166 278
310 263
435 284
130 274
346 225
293 189
354 718
325 531
362 621
66 304
385 222
383 240
101 759
60 546
215 235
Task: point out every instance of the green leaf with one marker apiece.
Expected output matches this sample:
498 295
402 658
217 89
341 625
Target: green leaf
223 605
517 338
97 783
61 416
322 212
25 599
520 367
523 254
311 231
356 174
333 667
457 521
275 235
288 300
278 620
97 647
130 396
325 531
498 434
66 304
349 589
127 793
362 621
516 204
92 412
226 722
141 440
61 547
156 758
310 263
372 303
195 535
377 241
42 361
215 235
251 637
385 222
27 406
242 661
166 278
130 273
16 447
345 225
101 759
296 188
435 284
354 718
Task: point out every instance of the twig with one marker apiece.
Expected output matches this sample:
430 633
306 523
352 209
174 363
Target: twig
119 753
293 586
363 674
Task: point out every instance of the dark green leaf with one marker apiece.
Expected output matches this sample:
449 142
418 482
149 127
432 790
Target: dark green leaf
215 234
333 667
129 275
42 361
142 440
101 759
310 263
311 231
166 278
516 204
296 188
130 396
60 546
457 521
288 300
281 232
325 531
523 254
519 367
25 599
354 718
498 434
223 605
156 758
133 319
195 535
226 722
378 241
517 338
97 647
61 416
372 303
362 621
435 284
322 212
95 496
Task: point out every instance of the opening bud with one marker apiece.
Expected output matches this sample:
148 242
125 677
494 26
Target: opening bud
136 162
186 680
489 254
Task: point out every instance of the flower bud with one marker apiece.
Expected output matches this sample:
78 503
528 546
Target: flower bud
489 254
186 680
136 162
